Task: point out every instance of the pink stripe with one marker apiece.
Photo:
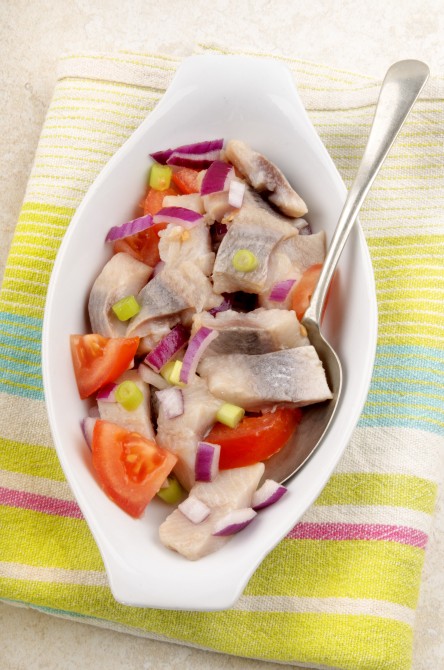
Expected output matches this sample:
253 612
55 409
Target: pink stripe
39 503
358 531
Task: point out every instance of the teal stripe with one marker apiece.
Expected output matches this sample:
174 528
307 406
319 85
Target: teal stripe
19 338
22 320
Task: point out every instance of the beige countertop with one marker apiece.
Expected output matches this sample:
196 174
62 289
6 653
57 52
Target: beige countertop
351 34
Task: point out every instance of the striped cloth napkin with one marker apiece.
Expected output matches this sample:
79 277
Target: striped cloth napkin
340 591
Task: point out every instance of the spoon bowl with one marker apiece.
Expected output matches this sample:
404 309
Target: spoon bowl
401 86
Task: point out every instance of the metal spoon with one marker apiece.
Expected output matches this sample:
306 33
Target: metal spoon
401 86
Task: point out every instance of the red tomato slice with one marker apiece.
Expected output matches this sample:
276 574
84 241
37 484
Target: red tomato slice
99 360
144 246
130 468
255 439
186 180
304 289
154 199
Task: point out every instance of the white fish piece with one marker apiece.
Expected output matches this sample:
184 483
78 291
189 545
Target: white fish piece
257 332
289 260
230 490
248 232
122 276
138 420
217 207
293 377
182 434
264 175
189 201
178 245
172 291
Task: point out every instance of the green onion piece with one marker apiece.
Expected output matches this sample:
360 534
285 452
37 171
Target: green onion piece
172 493
160 177
244 261
171 373
230 415
126 308
129 395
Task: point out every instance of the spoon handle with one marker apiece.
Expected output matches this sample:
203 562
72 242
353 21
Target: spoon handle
401 86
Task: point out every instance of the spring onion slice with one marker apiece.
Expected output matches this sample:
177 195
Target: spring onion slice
244 260
180 216
129 395
196 347
280 291
207 461
129 228
126 308
167 348
160 177
230 415
171 491
217 178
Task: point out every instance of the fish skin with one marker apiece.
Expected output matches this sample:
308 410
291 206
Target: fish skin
247 231
230 490
260 331
264 175
121 276
290 377
172 291
138 420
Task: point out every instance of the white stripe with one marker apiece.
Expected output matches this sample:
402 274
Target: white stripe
407 311
28 269
402 299
369 514
25 421
28 281
385 450
52 575
345 606
34 258
38 485
423 336
29 233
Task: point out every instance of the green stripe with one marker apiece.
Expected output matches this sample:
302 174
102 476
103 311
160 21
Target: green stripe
342 641
44 540
344 569
30 459
379 489
50 209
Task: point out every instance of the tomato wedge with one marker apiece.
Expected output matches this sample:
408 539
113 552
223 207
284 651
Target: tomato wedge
130 468
99 360
154 199
144 246
186 180
304 289
255 439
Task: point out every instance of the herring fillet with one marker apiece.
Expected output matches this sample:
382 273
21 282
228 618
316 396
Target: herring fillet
182 434
230 490
121 276
138 420
264 175
177 245
257 332
293 377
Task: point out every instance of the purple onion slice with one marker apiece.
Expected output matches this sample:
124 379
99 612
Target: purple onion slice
269 493
217 178
194 509
196 347
280 291
207 461
129 228
171 400
167 348
234 521
179 216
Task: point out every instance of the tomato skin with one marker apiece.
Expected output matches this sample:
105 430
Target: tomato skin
130 468
186 180
154 199
304 289
143 246
256 438
98 360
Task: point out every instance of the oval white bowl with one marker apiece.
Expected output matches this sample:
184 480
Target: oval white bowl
210 96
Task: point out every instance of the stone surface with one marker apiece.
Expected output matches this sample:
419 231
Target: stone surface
351 34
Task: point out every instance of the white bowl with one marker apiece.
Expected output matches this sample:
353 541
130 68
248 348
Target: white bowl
211 96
